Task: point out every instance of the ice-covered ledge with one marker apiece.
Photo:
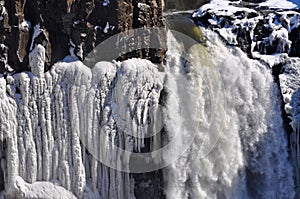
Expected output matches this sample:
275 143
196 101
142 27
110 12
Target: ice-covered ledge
43 119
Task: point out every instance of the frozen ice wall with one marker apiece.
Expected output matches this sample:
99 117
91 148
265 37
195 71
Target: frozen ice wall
50 126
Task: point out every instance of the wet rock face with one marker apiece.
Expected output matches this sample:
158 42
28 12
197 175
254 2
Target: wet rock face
79 24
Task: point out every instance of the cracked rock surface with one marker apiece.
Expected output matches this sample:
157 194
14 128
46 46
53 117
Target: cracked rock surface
73 27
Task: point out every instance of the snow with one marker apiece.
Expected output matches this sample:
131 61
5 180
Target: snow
3 10
72 48
236 19
281 36
271 60
37 58
279 4
76 52
105 3
25 25
37 30
79 52
290 83
106 29
222 8
227 34
228 9
297 2
70 58
38 190
225 18
143 6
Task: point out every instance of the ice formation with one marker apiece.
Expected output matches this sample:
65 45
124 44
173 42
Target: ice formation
45 116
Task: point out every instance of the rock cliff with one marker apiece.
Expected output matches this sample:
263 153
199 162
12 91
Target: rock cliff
73 27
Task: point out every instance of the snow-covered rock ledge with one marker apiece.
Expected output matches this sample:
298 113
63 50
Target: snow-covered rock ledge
254 28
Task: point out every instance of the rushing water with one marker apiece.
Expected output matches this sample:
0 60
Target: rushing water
250 159
51 125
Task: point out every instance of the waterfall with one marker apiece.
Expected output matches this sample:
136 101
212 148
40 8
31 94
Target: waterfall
75 130
249 159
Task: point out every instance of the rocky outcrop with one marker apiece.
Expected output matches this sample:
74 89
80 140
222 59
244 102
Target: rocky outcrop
254 28
73 27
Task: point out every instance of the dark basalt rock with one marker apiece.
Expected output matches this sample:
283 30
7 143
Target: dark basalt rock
244 39
294 35
261 31
3 58
81 24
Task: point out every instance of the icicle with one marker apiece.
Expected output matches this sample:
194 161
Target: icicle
8 132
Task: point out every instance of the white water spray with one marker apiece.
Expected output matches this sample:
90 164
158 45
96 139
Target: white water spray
250 158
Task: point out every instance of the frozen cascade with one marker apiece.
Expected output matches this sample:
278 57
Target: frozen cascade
50 124
249 159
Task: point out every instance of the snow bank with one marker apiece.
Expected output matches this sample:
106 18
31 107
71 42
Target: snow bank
37 190
222 8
